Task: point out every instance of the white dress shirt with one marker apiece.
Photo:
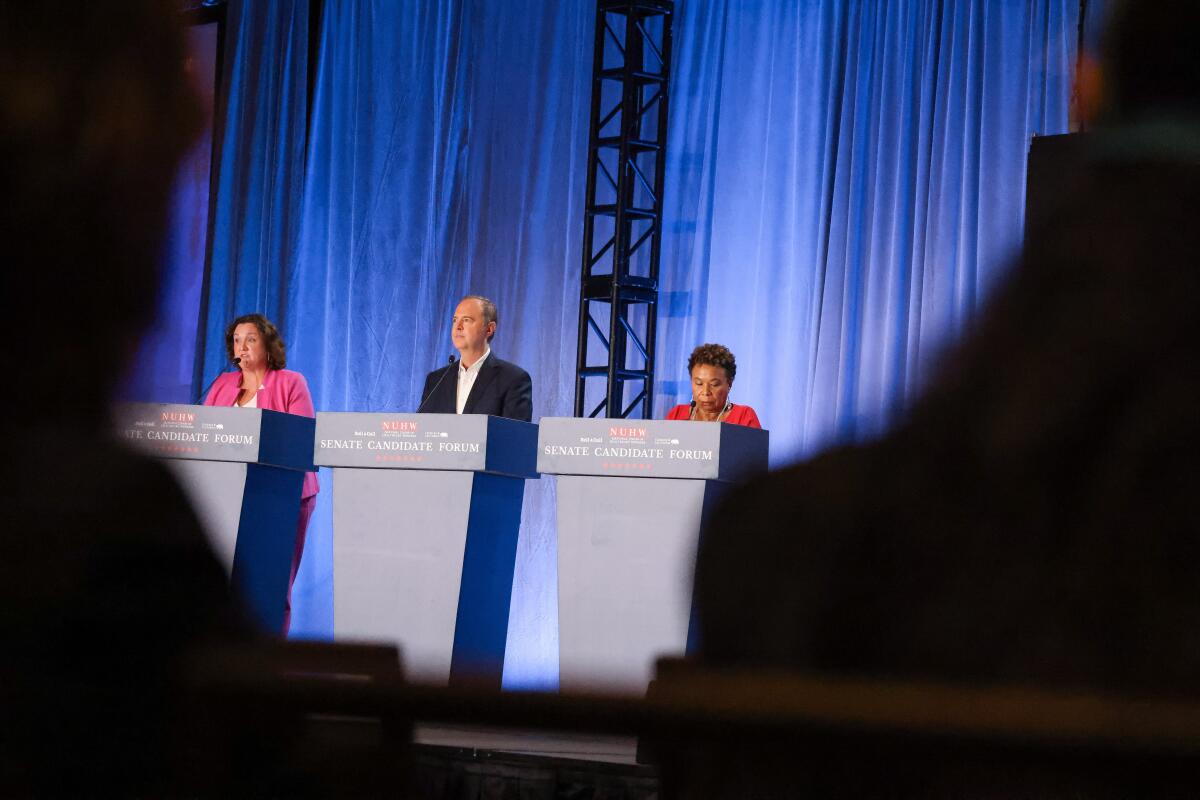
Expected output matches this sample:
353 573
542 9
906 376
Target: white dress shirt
466 379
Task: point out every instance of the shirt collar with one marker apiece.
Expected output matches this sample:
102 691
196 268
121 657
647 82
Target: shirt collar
474 368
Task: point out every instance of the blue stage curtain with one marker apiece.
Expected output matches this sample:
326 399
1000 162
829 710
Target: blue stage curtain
259 171
163 369
446 158
845 185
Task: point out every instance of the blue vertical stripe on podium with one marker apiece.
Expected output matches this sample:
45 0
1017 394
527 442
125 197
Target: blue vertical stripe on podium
481 628
266 538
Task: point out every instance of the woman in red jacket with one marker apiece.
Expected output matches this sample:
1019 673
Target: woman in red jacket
253 343
712 368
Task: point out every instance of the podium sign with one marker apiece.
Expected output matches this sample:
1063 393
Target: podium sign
243 471
470 442
217 433
426 511
632 496
650 448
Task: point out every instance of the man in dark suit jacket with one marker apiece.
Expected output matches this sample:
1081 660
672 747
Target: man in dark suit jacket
478 382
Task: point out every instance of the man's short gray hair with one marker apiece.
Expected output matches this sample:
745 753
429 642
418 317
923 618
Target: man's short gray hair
489 309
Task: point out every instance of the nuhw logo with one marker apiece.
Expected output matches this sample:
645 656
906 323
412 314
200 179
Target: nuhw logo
178 416
622 432
399 426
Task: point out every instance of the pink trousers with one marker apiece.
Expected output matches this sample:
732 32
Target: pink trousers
306 509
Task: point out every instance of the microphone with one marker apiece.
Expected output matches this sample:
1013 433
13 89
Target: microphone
200 400
438 383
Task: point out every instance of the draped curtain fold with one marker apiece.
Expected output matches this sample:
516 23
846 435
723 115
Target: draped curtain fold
259 171
845 182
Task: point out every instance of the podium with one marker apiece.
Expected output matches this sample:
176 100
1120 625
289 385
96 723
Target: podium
243 470
632 495
426 512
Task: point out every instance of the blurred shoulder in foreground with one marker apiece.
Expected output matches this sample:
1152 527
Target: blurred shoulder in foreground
106 580
1033 519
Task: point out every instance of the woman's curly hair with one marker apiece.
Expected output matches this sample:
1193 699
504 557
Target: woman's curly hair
715 355
276 350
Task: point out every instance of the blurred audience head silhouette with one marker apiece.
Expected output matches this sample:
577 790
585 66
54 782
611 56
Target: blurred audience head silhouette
106 579
1031 522
1149 59
95 112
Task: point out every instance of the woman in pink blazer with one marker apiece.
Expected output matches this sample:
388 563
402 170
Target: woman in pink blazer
253 343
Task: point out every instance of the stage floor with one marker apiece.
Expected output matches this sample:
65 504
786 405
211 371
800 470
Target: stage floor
538 744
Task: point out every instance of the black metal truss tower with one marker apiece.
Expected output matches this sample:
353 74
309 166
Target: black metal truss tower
622 233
